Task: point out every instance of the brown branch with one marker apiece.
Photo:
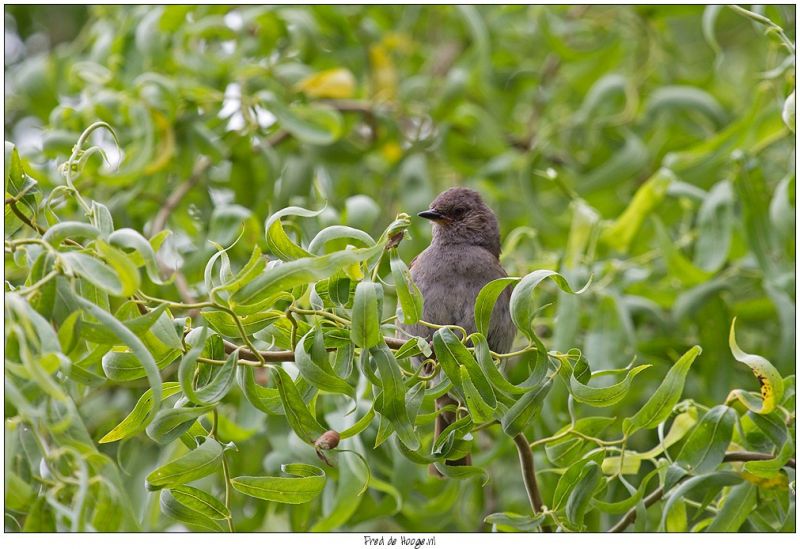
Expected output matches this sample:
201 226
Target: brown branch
277 138
529 475
656 494
160 221
345 105
177 195
288 356
755 456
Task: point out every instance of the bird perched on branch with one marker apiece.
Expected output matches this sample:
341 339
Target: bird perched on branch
462 258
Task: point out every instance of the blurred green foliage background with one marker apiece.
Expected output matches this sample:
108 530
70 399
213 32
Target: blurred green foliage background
558 115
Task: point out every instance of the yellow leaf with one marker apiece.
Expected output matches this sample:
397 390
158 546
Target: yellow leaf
611 465
384 76
332 84
768 377
392 152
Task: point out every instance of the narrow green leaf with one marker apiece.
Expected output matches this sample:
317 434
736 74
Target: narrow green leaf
736 507
266 399
522 412
485 302
223 324
677 264
660 404
126 270
278 242
127 337
254 267
178 511
139 325
59 232
573 474
522 305
602 396
452 353
132 240
200 501
365 330
478 409
705 447
300 419
171 423
414 347
251 297
305 484
134 422
705 486
626 504
462 472
218 386
314 366
513 522
568 448
350 489
197 463
580 496
409 296
359 425
715 226
391 404
672 98
621 232
95 271
338 232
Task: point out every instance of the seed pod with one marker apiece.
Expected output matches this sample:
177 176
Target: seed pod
327 441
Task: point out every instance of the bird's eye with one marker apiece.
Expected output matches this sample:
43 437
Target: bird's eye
459 211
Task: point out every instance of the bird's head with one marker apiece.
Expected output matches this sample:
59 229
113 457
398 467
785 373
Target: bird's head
460 217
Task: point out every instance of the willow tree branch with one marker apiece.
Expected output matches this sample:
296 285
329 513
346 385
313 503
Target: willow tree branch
288 356
529 474
755 456
160 221
658 493
175 197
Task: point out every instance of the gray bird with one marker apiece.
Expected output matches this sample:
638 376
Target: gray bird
462 258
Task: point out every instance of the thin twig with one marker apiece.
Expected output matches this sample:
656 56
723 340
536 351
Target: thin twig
160 221
288 356
175 197
755 456
529 474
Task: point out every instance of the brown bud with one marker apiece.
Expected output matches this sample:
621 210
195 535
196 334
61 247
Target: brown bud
328 440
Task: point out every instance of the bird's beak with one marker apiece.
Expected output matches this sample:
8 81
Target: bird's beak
433 215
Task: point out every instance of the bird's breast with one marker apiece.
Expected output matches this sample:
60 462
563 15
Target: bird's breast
450 279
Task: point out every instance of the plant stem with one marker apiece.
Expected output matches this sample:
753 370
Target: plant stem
227 475
175 197
529 474
288 356
755 456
